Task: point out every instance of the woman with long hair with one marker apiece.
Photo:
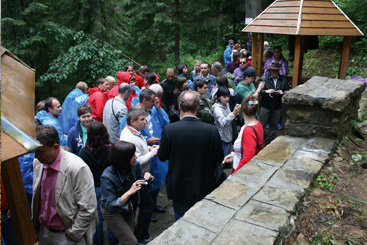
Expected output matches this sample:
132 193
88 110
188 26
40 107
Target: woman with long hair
119 186
95 155
196 72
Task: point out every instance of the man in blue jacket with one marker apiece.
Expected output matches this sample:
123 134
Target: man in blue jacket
228 53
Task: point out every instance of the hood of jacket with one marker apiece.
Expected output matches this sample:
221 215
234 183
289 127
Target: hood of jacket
122 77
93 90
219 105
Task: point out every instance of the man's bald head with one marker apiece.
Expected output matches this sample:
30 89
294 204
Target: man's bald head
189 101
170 74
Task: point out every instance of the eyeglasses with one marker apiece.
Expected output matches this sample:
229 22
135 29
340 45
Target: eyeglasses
243 62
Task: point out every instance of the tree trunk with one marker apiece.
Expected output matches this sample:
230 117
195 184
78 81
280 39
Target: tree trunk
253 8
177 31
220 24
234 24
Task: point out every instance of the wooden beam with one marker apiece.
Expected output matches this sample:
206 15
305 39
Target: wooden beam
260 61
254 50
300 67
272 29
17 200
345 57
297 59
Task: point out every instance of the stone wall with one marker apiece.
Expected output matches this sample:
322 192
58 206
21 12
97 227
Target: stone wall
322 107
257 205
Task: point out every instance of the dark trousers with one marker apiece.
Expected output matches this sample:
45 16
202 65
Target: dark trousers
180 209
271 116
7 229
145 213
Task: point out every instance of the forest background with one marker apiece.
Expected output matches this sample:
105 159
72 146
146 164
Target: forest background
70 41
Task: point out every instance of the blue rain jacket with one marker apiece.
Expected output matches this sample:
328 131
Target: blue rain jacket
47 119
69 113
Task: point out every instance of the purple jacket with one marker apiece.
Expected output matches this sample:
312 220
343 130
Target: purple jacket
232 66
238 74
283 65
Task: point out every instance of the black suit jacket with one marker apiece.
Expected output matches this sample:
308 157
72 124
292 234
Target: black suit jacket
193 149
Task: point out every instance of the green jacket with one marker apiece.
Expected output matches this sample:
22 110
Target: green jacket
205 112
230 78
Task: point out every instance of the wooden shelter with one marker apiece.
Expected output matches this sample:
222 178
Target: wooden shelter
301 18
17 132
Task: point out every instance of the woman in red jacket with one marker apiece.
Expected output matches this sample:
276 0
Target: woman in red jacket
253 135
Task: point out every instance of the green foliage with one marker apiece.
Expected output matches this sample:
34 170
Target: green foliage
326 179
357 12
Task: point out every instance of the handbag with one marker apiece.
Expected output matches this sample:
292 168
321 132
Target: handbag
173 114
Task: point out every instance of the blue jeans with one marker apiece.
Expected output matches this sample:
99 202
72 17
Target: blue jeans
98 237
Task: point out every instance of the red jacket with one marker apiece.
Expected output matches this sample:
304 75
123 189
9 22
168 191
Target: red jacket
122 77
139 81
97 100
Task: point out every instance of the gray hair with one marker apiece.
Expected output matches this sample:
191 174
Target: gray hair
156 88
133 114
217 66
189 101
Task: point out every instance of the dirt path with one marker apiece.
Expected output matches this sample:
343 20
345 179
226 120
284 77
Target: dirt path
334 210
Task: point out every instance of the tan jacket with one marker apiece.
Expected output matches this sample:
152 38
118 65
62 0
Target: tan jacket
76 202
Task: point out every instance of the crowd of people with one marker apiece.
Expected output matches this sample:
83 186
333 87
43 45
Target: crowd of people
108 149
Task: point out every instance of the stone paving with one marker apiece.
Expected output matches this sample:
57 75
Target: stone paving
256 205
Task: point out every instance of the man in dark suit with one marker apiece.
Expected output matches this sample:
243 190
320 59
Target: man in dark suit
193 149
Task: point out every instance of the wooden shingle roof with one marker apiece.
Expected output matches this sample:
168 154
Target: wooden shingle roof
304 17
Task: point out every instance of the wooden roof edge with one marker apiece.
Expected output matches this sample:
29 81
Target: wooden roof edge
244 29
5 51
347 18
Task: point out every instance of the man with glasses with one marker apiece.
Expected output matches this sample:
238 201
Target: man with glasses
209 78
238 72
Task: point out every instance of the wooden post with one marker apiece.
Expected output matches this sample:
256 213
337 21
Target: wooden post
261 53
345 57
254 50
303 43
17 200
297 60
